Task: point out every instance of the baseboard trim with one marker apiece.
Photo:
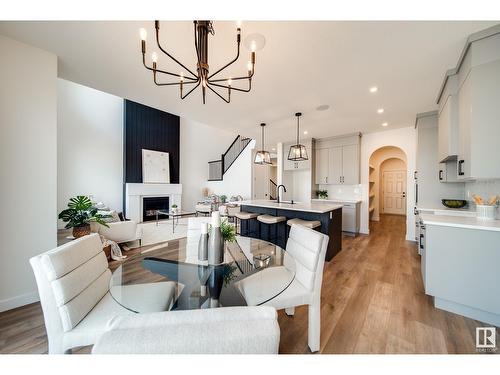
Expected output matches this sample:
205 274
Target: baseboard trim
18 301
469 312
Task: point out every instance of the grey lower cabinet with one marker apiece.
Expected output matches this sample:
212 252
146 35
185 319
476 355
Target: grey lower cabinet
460 270
350 215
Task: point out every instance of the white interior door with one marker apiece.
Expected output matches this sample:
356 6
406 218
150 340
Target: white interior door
260 186
394 191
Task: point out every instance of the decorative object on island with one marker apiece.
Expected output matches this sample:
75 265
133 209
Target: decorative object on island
262 156
174 209
322 194
79 214
202 29
203 243
215 241
297 152
223 198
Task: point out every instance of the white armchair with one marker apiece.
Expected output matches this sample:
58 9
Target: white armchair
121 231
308 248
227 330
73 284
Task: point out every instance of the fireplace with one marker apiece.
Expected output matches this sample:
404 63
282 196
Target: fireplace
151 204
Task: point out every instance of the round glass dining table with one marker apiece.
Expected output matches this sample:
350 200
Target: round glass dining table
169 276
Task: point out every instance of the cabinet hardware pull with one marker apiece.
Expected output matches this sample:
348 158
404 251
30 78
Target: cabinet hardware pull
415 175
460 170
420 241
440 175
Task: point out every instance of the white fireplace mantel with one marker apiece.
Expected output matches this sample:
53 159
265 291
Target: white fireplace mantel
135 192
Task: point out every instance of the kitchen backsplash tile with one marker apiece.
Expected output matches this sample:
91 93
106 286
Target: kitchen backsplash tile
484 188
343 191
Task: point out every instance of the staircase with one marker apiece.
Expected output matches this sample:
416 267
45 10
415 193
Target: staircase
273 193
217 168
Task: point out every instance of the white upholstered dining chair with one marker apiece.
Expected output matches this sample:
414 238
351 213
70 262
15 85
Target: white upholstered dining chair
73 285
308 248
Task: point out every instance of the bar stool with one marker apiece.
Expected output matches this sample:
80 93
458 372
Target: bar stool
275 221
306 223
245 216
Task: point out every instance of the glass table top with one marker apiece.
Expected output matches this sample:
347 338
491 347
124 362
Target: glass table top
169 276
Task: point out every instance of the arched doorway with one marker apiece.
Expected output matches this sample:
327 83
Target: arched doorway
388 188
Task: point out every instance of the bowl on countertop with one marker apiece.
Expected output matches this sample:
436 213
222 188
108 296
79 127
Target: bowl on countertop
454 203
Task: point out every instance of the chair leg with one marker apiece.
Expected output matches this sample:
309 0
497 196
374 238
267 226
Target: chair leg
290 311
314 327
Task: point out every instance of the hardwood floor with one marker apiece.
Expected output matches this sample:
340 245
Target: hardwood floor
372 302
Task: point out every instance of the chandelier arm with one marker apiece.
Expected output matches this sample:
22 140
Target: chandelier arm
229 63
190 91
169 55
233 79
219 95
163 71
172 83
233 88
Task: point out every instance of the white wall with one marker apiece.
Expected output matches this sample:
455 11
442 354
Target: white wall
200 144
90 145
404 138
28 166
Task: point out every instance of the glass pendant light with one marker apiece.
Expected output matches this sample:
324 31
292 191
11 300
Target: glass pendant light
297 152
262 157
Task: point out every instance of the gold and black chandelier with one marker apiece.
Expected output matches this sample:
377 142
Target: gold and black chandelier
188 81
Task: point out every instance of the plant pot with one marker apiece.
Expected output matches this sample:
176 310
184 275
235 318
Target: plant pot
81 231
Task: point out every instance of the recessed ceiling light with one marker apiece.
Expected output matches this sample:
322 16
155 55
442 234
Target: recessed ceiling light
385 124
322 107
380 110
305 131
373 89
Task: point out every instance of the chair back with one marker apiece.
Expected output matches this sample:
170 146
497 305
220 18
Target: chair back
308 248
71 280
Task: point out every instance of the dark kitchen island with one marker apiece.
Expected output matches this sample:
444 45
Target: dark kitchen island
329 214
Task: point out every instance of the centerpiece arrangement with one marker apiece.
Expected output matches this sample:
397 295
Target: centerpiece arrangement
213 239
79 214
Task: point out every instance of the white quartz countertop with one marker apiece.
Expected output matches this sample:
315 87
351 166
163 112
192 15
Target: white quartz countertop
340 200
448 211
317 207
461 222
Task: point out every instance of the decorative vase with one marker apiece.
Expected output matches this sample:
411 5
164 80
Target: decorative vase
203 243
215 241
81 230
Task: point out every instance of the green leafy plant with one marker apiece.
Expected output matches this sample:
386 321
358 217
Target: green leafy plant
80 212
322 194
228 231
223 198
174 206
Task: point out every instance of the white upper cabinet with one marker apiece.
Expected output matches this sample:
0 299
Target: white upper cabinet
350 164
448 121
337 160
321 166
479 111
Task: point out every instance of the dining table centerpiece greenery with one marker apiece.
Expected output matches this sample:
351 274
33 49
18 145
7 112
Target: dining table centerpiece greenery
79 214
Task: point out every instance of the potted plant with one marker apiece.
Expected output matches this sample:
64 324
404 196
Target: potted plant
79 214
228 231
223 198
174 209
322 194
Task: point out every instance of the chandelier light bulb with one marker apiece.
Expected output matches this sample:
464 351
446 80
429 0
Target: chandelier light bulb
143 33
253 46
238 24
154 57
229 81
182 77
249 66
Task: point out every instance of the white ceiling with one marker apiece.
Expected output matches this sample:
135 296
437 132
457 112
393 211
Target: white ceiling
303 65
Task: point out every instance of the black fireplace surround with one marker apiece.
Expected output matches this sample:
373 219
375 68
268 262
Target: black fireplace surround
151 204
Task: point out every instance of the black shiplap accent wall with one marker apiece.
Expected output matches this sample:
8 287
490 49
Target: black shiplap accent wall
152 129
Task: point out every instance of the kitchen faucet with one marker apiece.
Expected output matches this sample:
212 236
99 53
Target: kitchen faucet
278 191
